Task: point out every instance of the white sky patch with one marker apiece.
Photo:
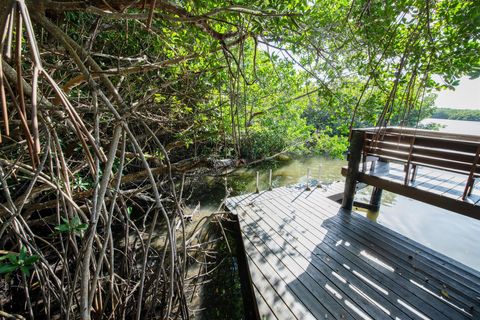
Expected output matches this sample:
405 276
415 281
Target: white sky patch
465 96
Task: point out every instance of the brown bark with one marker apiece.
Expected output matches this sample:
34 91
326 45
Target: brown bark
176 12
135 177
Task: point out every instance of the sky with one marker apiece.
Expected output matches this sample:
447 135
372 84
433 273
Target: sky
465 96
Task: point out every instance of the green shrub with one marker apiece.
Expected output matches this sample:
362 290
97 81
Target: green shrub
324 144
264 143
12 262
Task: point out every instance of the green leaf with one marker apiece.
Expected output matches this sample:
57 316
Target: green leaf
7 268
31 260
4 257
63 228
25 270
73 225
76 221
12 257
23 254
82 227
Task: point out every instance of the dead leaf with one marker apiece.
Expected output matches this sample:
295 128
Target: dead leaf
445 293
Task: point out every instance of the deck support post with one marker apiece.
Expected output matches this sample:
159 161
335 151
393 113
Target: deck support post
354 156
270 180
308 178
319 182
376 199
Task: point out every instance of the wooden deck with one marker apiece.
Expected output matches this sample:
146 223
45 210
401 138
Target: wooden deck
310 259
437 187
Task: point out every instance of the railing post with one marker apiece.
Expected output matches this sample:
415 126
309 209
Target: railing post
376 199
257 190
319 183
308 178
356 146
270 180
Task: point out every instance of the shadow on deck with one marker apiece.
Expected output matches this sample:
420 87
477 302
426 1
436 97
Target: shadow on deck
309 259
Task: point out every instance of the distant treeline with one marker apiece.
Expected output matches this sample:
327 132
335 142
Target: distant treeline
456 114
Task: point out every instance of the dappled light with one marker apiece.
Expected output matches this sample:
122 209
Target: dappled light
414 310
377 261
130 130
337 264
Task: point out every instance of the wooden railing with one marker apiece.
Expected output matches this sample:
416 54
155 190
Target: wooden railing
457 153
445 151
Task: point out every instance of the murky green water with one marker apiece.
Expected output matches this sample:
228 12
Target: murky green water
290 172
444 231
284 173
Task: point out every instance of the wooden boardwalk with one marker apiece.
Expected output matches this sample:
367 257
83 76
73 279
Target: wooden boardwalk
310 259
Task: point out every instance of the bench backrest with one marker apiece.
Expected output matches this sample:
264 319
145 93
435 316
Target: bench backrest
451 152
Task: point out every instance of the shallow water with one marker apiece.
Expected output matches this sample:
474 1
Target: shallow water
456 126
292 172
444 231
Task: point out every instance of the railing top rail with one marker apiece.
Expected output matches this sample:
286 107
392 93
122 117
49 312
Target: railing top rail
410 132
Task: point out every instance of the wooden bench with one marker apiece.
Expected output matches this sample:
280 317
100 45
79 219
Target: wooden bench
455 153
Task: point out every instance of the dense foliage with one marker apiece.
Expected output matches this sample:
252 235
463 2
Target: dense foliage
112 108
457 114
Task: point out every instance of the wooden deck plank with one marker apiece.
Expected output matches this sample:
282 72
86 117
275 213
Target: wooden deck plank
281 275
375 276
319 271
348 253
416 246
401 268
424 277
264 307
270 302
294 248
330 262
430 254
428 179
396 171
444 183
422 254
273 287
394 245
297 265
455 186
434 181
